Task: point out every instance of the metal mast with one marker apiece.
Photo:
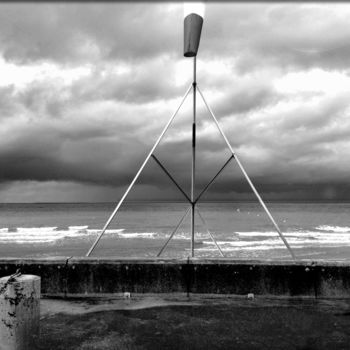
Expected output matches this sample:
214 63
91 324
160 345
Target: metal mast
192 33
193 175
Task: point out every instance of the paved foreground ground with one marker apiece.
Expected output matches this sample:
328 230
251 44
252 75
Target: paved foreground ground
198 322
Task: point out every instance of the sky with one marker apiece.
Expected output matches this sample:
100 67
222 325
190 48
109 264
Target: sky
86 89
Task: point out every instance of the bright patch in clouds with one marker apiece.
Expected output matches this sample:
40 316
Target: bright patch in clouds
315 80
23 75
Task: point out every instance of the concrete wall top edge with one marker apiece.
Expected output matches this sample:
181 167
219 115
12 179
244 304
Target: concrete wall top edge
117 261
49 261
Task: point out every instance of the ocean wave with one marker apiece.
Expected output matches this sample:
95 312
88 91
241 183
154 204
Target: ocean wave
297 234
275 233
321 236
187 235
78 228
138 234
36 229
295 241
49 234
107 232
338 229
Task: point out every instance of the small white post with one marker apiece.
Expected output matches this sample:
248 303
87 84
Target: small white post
19 312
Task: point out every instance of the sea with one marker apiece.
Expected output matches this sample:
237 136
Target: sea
242 230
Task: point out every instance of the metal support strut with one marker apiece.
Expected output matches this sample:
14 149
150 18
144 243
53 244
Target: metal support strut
191 199
247 178
171 178
172 235
213 179
211 236
138 173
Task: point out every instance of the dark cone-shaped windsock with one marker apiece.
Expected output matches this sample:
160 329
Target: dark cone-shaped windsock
192 33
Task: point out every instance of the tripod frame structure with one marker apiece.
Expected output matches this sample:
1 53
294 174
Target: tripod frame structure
193 208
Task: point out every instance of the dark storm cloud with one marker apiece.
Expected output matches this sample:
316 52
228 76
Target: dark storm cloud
108 147
253 35
44 153
140 83
97 141
280 35
314 117
77 33
94 131
7 108
245 99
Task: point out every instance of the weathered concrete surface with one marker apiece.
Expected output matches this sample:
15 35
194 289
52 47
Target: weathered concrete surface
199 322
19 312
65 276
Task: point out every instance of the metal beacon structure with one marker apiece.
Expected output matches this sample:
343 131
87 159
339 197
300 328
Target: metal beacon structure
193 23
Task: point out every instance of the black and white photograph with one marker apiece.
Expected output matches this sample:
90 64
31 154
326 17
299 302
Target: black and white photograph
174 175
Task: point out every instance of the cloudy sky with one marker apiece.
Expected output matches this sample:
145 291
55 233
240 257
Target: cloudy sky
85 90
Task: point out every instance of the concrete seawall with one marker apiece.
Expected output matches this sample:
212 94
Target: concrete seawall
66 276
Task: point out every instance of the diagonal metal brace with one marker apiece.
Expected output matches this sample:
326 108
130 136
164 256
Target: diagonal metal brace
248 179
213 179
173 233
171 178
211 236
138 174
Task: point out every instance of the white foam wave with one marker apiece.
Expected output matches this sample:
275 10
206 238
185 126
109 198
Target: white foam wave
321 236
259 234
32 236
298 234
107 232
187 235
328 228
271 240
77 228
36 229
51 234
138 234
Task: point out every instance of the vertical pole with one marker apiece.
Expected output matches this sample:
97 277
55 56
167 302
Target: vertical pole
193 177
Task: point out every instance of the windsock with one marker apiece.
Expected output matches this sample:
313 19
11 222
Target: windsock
193 22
